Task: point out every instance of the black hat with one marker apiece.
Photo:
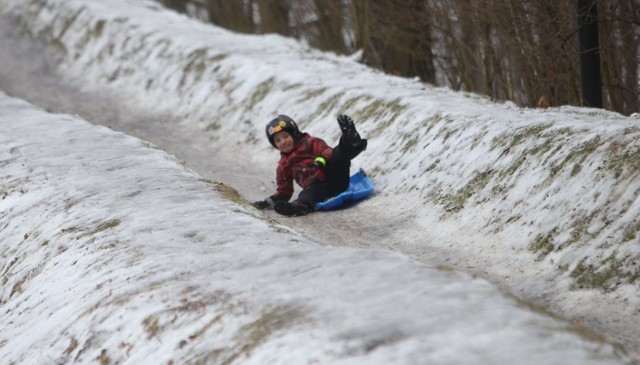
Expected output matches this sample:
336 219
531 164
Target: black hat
282 123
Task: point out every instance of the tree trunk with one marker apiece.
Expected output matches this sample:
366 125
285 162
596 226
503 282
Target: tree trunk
177 5
400 39
590 77
233 15
274 16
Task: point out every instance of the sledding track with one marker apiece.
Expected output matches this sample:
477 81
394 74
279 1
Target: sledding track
387 221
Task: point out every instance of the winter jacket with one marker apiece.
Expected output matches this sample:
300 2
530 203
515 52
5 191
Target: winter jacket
298 165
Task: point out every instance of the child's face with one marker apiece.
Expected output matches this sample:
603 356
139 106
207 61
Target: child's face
283 142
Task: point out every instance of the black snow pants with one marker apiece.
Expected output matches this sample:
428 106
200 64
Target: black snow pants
337 174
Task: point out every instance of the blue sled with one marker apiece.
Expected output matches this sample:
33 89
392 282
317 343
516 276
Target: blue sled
360 187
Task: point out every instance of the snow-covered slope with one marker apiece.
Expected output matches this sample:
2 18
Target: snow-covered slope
113 252
546 200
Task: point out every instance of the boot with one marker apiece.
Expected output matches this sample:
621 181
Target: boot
292 209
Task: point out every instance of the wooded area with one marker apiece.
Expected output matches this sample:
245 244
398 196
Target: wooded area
526 51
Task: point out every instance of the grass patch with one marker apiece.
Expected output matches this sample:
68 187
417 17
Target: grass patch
544 145
151 325
261 92
523 135
576 170
67 23
224 80
309 95
107 225
511 169
84 232
608 274
104 358
631 232
588 276
579 154
226 191
252 335
386 113
542 245
353 101
18 286
329 104
409 140
455 202
195 67
623 157
292 87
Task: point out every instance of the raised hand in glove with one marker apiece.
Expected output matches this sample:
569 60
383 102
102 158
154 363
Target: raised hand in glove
349 129
344 119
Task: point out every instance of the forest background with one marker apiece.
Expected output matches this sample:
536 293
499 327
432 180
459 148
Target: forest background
525 51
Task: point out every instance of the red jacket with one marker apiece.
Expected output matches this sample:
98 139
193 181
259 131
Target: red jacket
298 165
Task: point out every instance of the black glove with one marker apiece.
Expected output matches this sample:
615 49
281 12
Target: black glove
320 162
349 130
263 204
344 119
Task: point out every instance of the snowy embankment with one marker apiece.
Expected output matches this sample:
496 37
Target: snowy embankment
546 202
113 252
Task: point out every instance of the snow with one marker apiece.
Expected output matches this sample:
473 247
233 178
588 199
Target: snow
114 250
117 246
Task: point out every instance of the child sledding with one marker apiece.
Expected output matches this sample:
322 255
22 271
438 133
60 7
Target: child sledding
321 171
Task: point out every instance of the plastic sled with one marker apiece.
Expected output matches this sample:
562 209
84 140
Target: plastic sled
360 187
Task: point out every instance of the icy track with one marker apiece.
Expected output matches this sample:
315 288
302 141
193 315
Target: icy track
542 203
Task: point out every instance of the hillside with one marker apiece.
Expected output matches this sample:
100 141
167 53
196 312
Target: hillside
543 203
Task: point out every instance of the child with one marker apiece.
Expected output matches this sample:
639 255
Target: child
321 171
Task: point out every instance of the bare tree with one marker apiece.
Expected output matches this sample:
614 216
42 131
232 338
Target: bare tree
526 51
177 5
396 36
233 15
620 52
590 76
274 16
